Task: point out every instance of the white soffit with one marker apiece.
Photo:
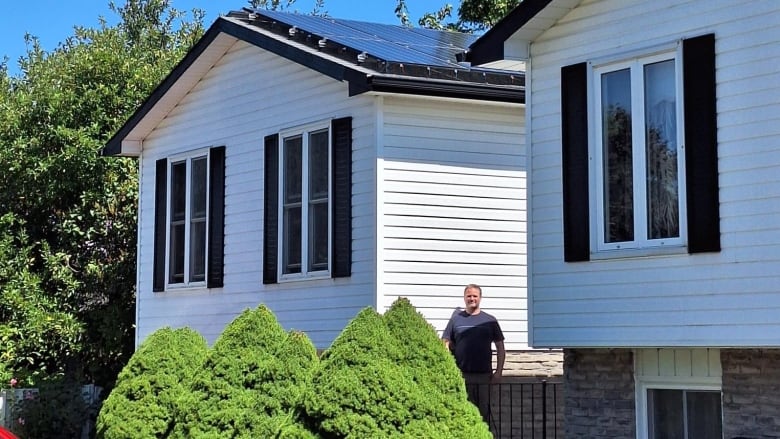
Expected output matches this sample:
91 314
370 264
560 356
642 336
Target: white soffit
544 20
183 85
506 64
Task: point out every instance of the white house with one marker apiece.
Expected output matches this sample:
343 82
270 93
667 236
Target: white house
320 166
653 136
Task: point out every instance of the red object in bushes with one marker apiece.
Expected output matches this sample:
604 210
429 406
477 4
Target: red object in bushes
5 434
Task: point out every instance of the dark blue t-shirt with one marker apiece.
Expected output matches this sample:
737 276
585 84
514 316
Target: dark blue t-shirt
471 338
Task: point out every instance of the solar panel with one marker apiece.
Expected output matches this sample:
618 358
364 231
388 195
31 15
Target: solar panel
383 41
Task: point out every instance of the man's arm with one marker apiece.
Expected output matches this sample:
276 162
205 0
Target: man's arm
500 359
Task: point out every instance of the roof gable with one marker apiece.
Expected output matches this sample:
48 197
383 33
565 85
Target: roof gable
524 23
368 56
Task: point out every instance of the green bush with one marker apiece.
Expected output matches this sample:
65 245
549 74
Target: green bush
143 402
251 383
359 391
433 369
57 411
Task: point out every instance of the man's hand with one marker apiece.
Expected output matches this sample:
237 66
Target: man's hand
496 377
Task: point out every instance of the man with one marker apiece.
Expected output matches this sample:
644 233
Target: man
470 334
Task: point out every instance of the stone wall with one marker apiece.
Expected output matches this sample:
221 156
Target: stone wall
751 393
538 364
599 394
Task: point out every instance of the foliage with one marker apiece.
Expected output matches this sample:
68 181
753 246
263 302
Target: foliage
36 331
251 383
391 376
435 374
69 265
473 15
358 391
479 15
281 5
58 411
143 402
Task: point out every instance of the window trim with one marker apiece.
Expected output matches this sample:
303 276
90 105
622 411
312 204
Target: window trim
701 154
187 157
643 384
215 222
641 245
304 131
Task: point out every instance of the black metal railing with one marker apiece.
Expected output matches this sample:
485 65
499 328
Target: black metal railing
522 408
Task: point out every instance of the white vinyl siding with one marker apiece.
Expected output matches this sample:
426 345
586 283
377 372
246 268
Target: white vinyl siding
729 298
236 104
452 209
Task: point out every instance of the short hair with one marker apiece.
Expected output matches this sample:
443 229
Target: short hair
475 286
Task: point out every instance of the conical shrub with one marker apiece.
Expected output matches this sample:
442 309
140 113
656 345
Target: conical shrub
251 382
142 403
358 390
445 408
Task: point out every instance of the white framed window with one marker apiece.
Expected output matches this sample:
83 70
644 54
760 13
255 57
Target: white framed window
187 219
638 153
678 393
684 413
305 202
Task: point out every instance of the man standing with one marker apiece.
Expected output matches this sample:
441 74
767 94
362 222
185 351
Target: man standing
470 334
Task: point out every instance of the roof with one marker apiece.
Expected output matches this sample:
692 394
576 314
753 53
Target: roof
369 57
524 23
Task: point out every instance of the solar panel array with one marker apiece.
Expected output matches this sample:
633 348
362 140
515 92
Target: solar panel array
383 41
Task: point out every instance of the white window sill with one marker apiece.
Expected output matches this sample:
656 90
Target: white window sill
629 253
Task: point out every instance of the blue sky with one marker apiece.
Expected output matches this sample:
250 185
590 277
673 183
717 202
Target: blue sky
52 21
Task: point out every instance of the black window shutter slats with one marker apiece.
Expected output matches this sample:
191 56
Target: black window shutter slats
701 144
271 209
160 227
574 137
341 132
216 231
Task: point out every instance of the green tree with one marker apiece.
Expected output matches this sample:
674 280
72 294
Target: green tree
473 15
69 230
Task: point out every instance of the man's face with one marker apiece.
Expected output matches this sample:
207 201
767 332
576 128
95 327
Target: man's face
472 297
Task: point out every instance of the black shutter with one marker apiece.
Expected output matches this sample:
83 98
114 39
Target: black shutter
271 209
160 215
574 138
216 233
341 132
701 144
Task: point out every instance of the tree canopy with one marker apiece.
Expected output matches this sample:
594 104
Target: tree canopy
68 224
473 15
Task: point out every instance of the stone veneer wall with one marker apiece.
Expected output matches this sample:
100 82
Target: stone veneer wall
751 393
537 364
599 394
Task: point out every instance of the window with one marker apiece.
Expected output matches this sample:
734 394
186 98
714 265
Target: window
189 210
639 153
308 199
638 159
683 414
305 184
187 221
678 393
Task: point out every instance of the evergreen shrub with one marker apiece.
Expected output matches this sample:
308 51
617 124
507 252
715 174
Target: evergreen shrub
147 390
446 407
251 382
359 391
